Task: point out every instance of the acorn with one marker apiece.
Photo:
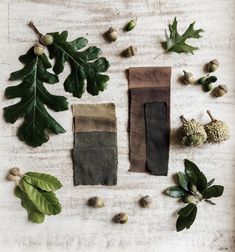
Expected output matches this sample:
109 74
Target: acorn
12 177
207 87
220 91
217 131
145 201
47 39
96 202
121 218
188 78
15 171
213 65
111 34
38 49
130 51
130 25
192 132
191 199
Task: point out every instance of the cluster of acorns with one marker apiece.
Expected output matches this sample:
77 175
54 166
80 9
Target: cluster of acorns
112 35
207 81
121 218
194 133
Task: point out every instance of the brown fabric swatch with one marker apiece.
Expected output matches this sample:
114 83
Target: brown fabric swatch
96 123
146 84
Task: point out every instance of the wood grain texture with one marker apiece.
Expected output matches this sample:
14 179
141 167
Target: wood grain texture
79 228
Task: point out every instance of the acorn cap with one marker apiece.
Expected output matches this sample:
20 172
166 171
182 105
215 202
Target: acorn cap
193 133
217 131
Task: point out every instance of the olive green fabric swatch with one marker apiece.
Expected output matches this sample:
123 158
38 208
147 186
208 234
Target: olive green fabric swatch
95 139
157 138
96 123
95 166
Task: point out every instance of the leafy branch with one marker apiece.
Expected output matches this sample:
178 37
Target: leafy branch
36 191
193 188
86 71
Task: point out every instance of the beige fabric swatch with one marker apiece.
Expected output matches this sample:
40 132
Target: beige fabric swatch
102 110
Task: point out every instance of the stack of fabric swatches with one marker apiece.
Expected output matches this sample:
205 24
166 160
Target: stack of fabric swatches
95 144
149 119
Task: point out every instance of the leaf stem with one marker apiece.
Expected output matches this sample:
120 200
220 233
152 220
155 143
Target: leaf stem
210 202
35 29
160 54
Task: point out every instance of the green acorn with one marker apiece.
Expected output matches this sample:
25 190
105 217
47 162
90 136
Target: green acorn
130 25
217 131
191 199
47 39
38 49
193 133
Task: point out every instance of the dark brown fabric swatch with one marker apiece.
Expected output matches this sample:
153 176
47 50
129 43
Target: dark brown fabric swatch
146 84
157 138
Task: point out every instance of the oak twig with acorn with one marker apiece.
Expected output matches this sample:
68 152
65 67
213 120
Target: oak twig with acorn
193 189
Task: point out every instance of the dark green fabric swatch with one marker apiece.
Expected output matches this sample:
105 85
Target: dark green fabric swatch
95 166
95 139
157 138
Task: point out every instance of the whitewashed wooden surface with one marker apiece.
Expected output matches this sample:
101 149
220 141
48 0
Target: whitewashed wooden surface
79 228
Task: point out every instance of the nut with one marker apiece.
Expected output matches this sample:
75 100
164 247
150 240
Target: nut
121 218
145 201
96 202
220 91
213 65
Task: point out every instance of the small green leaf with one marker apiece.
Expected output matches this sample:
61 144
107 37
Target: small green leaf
186 210
183 180
185 221
177 43
213 191
195 175
33 214
42 181
210 182
176 192
45 202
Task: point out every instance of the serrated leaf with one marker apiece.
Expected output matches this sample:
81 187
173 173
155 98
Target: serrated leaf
34 100
195 175
42 181
86 65
210 182
45 202
177 43
33 214
213 191
183 180
176 192
185 221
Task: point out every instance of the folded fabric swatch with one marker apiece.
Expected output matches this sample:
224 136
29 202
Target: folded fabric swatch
95 144
146 84
157 138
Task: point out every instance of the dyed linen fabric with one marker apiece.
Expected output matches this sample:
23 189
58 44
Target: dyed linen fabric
96 123
95 144
146 84
157 138
95 166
